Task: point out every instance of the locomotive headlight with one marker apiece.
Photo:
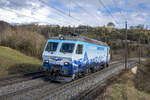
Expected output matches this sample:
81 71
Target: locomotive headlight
66 63
46 61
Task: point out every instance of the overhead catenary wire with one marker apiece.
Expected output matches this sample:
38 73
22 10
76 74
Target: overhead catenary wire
126 45
109 12
24 15
61 11
11 10
120 11
87 12
76 19
138 11
69 7
114 2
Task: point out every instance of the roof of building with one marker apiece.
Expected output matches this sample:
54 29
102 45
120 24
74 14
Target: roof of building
80 38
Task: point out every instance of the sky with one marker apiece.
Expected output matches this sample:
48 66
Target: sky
76 12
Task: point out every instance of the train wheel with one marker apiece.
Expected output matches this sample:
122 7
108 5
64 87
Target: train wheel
80 75
76 77
102 67
47 75
107 65
86 71
93 70
90 71
99 68
73 77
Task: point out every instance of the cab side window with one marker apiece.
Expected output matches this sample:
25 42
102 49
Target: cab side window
79 49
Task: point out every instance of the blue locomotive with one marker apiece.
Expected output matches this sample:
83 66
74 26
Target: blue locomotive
65 58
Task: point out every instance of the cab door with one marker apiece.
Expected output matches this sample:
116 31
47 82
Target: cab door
79 57
108 55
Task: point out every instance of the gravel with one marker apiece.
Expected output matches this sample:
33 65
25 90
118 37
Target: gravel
34 93
10 91
29 90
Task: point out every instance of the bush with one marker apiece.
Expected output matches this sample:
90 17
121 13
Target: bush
28 42
142 81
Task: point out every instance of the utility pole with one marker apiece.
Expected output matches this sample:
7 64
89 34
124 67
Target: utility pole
126 47
139 50
69 7
74 29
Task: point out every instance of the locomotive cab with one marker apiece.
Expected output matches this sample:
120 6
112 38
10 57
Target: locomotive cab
57 59
64 59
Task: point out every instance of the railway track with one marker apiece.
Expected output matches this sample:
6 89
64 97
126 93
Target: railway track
35 84
73 89
12 79
46 90
97 89
15 85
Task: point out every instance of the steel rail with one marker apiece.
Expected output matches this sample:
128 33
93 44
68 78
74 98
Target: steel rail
63 91
12 79
2 78
98 88
21 91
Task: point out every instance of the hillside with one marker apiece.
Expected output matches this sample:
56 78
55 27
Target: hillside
125 89
30 39
129 85
4 26
12 62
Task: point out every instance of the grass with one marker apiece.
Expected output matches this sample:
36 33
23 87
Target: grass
12 62
123 87
122 91
142 80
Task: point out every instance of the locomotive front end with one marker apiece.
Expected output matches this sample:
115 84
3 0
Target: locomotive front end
59 65
57 60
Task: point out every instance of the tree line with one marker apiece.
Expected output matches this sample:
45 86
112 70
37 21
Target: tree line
30 38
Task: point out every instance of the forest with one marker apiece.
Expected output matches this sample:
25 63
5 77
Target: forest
31 38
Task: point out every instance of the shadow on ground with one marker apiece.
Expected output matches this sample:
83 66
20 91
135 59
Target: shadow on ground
23 68
142 80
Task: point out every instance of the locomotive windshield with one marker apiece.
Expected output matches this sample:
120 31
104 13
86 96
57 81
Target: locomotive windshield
51 46
67 47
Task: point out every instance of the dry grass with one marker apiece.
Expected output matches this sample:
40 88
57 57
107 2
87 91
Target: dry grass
122 87
142 80
28 42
